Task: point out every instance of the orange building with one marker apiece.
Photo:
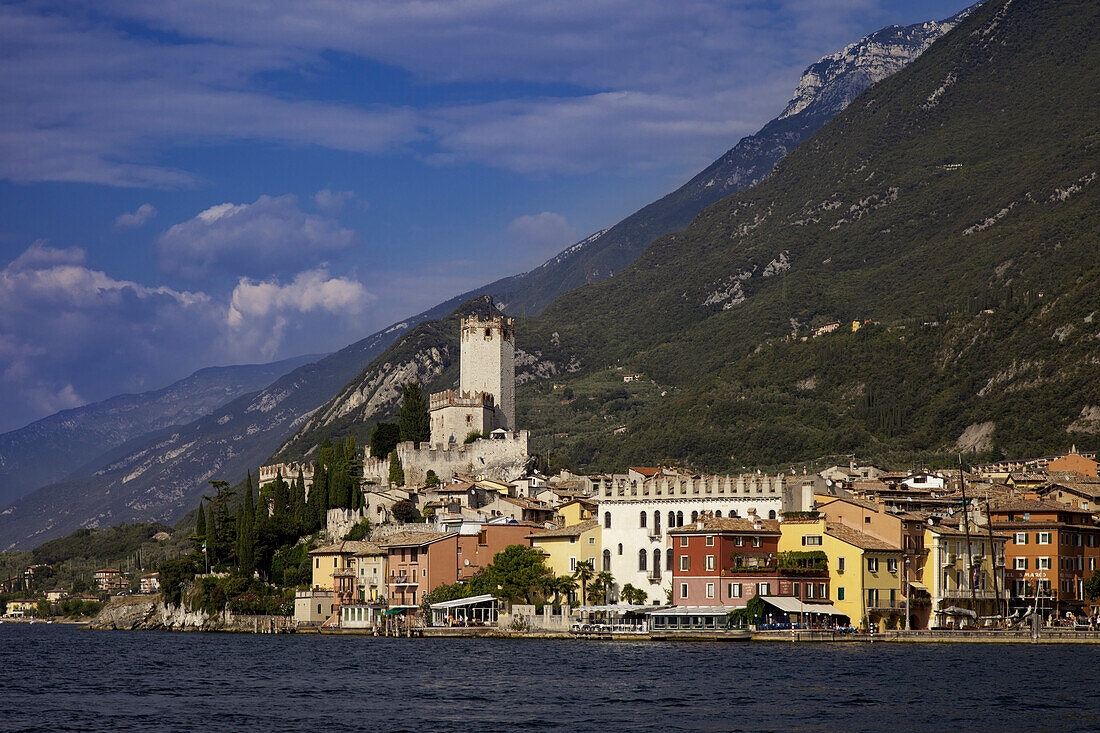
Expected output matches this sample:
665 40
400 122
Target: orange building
476 551
1074 462
1053 549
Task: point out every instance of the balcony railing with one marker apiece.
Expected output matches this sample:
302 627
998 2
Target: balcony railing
962 595
885 604
402 580
654 576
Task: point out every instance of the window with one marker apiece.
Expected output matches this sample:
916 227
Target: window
668 559
607 561
734 590
763 589
809 590
840 593
685 563
811 540
641 519
683 542
756 542
872 564
1044 538
591 540
657 522
822 590
694 516
840 565
318 566
683 590
1019 563
642 560
771 514
620 548
710 590
738 541
572 540
866 520
679 519
710 562
1021 538
607 520
796 590
671 520
893 598
710 541
572 564
872 598
891 565
1042 563
334 562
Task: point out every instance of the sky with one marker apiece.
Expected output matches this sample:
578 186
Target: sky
214 182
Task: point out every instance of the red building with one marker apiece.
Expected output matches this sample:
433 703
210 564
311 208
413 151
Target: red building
726 561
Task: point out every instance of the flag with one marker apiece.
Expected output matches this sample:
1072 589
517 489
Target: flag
204 547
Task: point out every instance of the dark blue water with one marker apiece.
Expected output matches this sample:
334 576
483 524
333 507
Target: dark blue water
61 678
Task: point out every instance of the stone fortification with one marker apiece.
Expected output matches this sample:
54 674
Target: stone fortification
502 457
487 349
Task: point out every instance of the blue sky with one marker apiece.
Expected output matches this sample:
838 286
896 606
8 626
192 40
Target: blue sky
188 184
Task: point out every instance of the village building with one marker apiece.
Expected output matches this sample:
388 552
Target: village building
21 607
57 594
110 580
418 562
865 571
1053 549
1074 489
565 548
637 510
963 574
149 583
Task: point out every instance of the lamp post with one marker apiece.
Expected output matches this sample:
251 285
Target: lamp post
907 594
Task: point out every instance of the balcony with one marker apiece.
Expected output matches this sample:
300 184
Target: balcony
885 604
653 576
963 595
402 579
949 559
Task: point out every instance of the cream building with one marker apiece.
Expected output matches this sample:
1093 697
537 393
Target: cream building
566 547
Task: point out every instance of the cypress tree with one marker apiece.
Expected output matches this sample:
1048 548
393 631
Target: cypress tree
397 473
249 502
413 421
211 535
200 523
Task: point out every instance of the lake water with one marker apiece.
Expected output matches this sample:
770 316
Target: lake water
55 677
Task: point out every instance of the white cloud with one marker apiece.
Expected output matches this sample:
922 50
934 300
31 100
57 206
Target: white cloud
333 202
68 332
534 236
261 312
270 235
135 219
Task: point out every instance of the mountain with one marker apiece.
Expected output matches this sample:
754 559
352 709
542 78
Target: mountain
55 447
951 209
825 89
158 478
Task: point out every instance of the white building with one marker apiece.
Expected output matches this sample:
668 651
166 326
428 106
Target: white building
486 395
636 510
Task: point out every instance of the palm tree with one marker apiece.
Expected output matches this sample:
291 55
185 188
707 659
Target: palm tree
584 574
565 585
633 596
606 581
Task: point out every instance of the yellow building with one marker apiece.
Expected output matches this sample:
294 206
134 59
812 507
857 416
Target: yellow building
20 607
864 570
576 511
567 547
366 559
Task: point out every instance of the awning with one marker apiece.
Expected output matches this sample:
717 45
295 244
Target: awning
956 611
918 584
793 605
398 609
691 611
462 602
621 608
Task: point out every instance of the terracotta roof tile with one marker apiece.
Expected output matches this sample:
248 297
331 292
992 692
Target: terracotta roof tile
858 539
573 530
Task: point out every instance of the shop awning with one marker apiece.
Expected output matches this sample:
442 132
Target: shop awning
691 611
463 602
398 609
793 605
617 609
917 584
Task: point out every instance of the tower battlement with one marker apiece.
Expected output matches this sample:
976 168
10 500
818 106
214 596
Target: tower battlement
454 398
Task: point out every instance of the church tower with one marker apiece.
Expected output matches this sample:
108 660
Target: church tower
488 364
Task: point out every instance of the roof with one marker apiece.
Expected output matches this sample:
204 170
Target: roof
1027 476
858 539
865 503
647 472
527 503
975 531
460 602
729 524
414 539
348 547
452 488
1036 505
573 530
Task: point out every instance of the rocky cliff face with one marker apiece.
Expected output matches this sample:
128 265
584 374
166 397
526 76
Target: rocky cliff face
151 614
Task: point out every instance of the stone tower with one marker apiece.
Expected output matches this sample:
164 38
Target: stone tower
488 364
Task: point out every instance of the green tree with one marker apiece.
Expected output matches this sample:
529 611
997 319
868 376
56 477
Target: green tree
413 420
211 536
564 585
431 479
632 596
405 511
517 572
200 528
384 438
606 582
397 473
472 436
1092 586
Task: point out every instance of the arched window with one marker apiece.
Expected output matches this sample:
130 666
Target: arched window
657 522
642 560
733 513
694 516
620 548
657 563
668 559
771 514
607 520
607 561
718 514
671 520
679 519
641 519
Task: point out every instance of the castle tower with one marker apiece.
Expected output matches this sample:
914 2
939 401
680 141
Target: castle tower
488 364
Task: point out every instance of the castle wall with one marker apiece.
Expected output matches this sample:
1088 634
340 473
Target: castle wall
500 459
